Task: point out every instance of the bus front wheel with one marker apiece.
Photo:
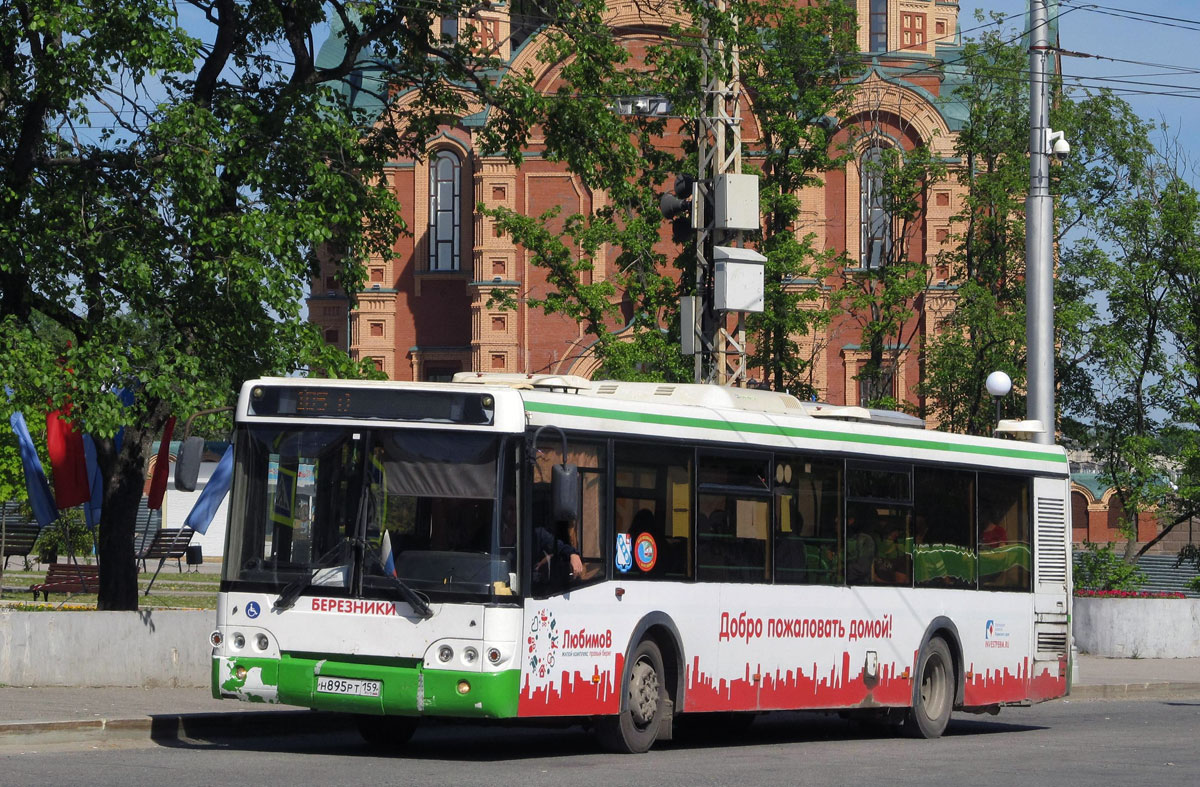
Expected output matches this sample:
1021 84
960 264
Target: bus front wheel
634 729
934 698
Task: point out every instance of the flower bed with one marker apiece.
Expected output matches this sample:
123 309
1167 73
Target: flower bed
1125 594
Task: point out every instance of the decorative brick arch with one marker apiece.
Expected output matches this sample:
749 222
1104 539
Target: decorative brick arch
920 117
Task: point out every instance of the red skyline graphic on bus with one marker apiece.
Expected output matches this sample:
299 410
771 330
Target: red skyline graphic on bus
786 689
576 694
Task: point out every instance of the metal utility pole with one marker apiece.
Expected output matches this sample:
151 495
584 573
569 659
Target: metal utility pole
1039 231
720 153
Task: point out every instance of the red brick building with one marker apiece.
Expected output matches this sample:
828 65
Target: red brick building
425 316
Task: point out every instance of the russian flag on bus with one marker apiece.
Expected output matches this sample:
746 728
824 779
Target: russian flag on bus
385 554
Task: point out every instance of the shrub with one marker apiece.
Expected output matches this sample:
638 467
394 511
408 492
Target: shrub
1098 567
52 543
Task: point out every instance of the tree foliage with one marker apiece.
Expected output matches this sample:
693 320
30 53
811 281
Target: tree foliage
170 175
795 66
1139 415
883 292
985 332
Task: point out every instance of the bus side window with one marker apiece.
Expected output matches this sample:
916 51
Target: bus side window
652 512
944 528
733 524
808 504
1004 533
879 524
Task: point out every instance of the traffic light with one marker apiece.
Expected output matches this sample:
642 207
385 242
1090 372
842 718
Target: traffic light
677 205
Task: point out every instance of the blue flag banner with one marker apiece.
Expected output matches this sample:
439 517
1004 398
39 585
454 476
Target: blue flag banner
41 499
201 515
91 509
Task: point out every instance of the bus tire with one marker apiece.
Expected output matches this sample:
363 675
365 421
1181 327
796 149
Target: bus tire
934 697
386 732
635 728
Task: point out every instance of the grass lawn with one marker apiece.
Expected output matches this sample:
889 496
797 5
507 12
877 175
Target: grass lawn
172 590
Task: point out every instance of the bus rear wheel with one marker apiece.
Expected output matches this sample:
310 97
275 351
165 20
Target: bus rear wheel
934 698
635 728
386 732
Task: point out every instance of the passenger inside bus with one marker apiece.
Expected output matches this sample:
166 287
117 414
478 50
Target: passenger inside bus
556 560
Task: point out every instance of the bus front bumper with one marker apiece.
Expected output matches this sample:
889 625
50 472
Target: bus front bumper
405 687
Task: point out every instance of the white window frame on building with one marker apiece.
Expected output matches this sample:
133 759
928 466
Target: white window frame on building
445 217
874 220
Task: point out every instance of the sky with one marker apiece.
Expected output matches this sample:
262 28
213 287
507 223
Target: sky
1163 36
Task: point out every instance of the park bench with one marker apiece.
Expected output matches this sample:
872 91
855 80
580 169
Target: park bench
68 578
19 532
167 544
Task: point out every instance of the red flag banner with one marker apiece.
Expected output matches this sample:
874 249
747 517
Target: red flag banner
162 466
67 460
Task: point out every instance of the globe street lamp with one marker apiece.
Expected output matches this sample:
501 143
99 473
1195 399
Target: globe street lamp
998 385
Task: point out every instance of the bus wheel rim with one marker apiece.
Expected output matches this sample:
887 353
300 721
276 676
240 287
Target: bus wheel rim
643 692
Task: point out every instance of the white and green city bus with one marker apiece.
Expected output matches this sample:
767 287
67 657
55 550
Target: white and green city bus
624 553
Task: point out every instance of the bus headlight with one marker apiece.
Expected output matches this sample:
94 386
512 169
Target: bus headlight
261 642
238 641
445 653
470 656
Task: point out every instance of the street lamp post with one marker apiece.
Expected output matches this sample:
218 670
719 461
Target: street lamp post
998 385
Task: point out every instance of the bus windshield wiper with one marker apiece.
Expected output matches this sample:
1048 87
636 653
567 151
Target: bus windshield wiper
292 590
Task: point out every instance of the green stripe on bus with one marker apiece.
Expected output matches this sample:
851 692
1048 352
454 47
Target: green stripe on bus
786 431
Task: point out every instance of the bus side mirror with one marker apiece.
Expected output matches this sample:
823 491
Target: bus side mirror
187 465
564 491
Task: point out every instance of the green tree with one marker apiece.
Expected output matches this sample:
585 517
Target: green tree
882 293
986 330
1139 414
795 63
165 194
619 155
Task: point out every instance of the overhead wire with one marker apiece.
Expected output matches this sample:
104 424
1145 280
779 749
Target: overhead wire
1119 84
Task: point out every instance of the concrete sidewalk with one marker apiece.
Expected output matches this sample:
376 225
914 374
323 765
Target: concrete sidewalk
47 715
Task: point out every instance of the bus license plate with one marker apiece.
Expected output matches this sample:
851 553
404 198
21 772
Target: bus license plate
352 686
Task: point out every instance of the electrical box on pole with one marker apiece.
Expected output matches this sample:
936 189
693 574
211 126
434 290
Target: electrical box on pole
738 279
736 202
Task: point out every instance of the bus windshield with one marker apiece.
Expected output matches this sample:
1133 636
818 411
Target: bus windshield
348 511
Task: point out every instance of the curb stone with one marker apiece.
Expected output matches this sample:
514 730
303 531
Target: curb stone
1132 691
174 727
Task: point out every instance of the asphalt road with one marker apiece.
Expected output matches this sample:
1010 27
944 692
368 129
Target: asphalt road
1095 742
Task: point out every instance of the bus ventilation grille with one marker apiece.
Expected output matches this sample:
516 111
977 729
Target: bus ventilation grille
1054 642
1051 556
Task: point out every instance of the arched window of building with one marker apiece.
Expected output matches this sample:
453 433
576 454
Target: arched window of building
878 26
875 222
445 221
